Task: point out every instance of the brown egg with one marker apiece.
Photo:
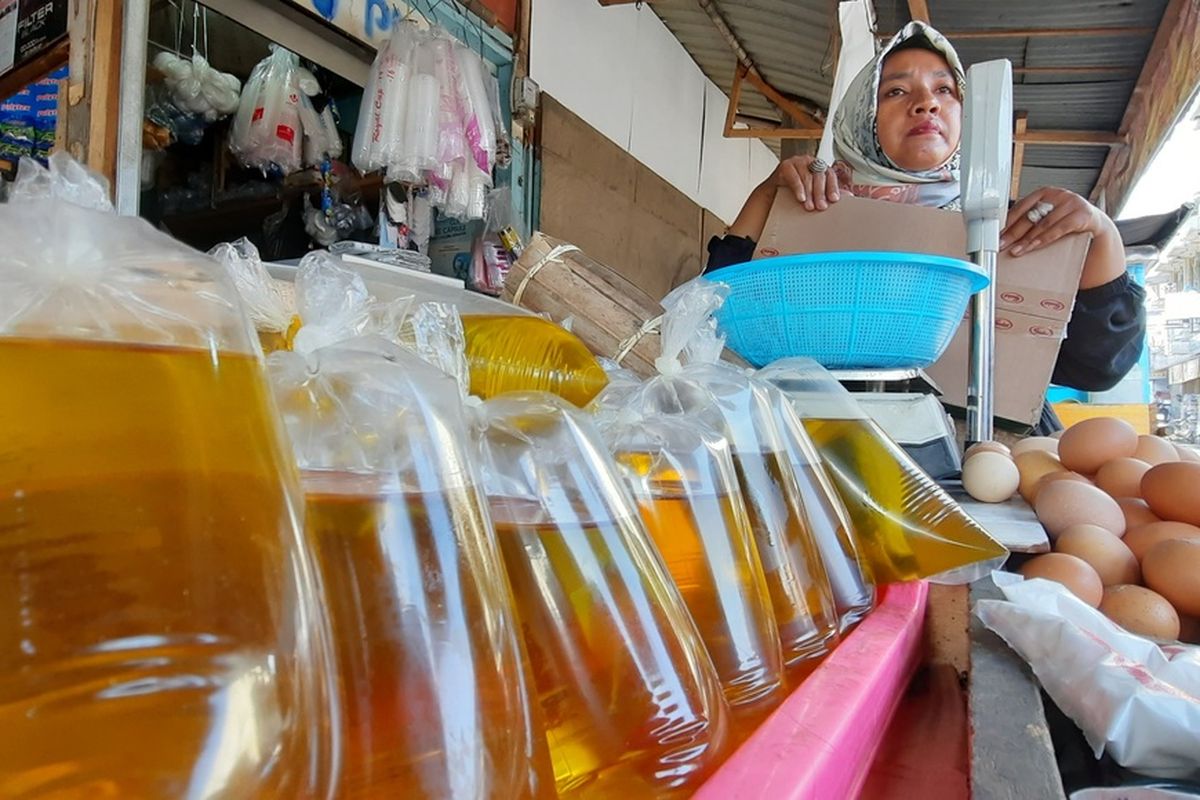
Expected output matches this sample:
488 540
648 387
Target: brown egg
1122 477
1090 444
1033 466
1062 504
1058 476
1172 568
1141 611
1173 491
1072 572
1136 512
1143 537
1155 450
1106 554
986 447
1189 629
1188 453
1035 443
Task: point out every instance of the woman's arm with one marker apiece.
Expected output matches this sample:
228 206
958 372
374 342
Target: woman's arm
815 190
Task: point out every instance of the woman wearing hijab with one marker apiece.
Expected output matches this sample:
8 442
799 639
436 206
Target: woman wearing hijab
896 136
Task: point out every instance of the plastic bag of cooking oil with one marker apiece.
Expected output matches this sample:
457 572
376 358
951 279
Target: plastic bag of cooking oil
157 588
631 702
849 578
521 353
738 406
682 478
434 689
271 304
906 526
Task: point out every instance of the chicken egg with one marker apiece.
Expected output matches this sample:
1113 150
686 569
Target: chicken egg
1088 445
990 477
1033 466
1136 512
1062 503
1122 477
1035 443
1172 568
1142 538
1141 611
1107 554
986 447
1172 491
1155 450
1071 571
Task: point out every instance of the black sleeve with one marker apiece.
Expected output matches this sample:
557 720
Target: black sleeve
724 251
1104 337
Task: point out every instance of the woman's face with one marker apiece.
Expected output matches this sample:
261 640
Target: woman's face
920 113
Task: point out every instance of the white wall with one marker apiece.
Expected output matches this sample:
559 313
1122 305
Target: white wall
626 75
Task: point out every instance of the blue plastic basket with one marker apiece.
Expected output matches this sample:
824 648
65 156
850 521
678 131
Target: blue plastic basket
849 310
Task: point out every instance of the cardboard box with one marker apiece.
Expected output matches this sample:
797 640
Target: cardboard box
1034 294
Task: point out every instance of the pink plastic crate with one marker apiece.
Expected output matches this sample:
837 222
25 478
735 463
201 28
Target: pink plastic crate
820 743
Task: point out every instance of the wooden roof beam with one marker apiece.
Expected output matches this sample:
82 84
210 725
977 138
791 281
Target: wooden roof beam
919 10
1022 136
1032 33
1168 77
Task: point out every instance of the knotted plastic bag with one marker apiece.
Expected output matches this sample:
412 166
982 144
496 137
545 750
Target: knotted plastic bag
906 526
631 701
427 640
152 554
729 401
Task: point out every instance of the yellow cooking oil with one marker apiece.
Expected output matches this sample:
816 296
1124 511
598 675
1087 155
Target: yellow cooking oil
906 526
706 546
631 709
159 636
518 353
434 700
796 578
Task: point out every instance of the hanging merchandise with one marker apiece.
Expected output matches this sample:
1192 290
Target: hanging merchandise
428 118
738 406
683 479
631 702
907 527
433 684
519 353
267 131
165 630
497 247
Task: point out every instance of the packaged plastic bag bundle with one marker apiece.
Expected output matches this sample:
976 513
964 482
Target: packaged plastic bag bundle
849 581
682 477
631 702
433 684
452 143
418 150
163 625
739 406
515 353
906 526
379 133
268 131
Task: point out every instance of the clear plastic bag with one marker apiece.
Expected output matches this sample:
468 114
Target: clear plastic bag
433 683
739 406
172 634
906 526
271 304
516 353
631 702
682 477
267 132
378 137
418 146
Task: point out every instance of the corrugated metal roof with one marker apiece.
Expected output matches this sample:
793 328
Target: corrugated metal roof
789 41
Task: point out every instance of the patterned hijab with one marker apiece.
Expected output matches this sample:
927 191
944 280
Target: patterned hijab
865 169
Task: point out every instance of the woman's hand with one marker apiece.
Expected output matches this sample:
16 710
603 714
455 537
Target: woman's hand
814 190
1069 214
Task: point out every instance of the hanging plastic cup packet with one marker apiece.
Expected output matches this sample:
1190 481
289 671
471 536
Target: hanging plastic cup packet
158 585
631 702
433 682
739 407
907 527
682 477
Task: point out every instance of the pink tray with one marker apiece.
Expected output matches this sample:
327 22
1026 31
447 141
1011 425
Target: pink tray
820 743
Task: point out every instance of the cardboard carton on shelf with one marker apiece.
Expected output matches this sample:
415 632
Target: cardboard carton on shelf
1034 294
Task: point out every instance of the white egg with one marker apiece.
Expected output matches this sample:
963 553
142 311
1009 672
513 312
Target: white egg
990 477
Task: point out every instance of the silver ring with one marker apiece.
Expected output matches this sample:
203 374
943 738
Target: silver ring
1039 212
817 166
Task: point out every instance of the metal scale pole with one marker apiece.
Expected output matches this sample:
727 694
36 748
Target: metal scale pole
986 176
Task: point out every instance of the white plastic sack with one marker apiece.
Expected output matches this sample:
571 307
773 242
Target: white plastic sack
1135 699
